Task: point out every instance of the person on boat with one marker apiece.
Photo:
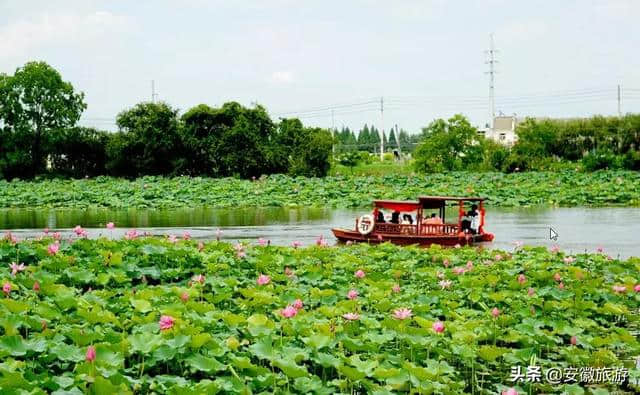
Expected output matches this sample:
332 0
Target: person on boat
380 218
407 219
474 219
395 217
434 220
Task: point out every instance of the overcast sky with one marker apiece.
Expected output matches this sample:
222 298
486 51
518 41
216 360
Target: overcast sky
425 58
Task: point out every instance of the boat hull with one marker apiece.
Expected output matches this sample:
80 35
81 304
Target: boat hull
345 235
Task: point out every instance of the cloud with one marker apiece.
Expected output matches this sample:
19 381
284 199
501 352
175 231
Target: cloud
282 77
23 36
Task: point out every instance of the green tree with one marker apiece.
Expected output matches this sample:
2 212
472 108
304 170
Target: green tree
393 143
149 143
80 152
35 103
305 150
449 145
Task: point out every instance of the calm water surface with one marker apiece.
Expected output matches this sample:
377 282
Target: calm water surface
617 230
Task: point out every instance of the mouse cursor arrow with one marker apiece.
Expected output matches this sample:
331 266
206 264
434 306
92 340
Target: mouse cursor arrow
553 235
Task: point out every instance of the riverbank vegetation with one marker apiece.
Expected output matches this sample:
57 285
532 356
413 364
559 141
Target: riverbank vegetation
177 316
566 188
39 136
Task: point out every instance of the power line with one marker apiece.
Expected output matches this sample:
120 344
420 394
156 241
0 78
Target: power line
492 61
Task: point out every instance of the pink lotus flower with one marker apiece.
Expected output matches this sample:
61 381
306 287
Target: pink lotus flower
561 285
6 288
498 257
56 235
396 288
569 260
186 235
352 294
637 288
531 291
200 246
91 354
522 279
36 286
173 239
321 242
555 249
53 248
573 340
166 322
296 244
238 247
445 263
46 231
517 244
263 279
297 304
459 270
78 230
15 268
438 327
111 225
510 391
557 277
495 312
402 314
241 254
619 289
359 274
199 278
445 284
184 297
351 316
10 237
288 272
131 234
262 242
289 312
469 265
600 249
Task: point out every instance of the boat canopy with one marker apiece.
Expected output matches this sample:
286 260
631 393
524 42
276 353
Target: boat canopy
396 205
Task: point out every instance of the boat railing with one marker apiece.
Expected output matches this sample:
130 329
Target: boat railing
439 229
396 228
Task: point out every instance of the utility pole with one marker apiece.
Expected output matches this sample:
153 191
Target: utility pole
153 91
619 102
491 62
333 136
398 141
381 129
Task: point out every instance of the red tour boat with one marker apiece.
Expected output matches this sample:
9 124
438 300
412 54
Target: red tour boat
422 222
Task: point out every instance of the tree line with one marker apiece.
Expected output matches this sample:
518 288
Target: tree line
593 143
39 135
368 139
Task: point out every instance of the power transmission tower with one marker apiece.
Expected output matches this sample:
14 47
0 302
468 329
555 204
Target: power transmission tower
491 61
619 102
154 95
381 129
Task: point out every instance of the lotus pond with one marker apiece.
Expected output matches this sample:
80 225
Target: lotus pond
149 315
509 190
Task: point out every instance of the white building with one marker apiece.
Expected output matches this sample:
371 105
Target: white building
503 131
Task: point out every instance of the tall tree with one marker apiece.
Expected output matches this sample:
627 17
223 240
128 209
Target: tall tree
35 103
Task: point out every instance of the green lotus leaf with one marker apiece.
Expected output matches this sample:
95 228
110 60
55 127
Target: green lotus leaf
263 349
200 339
64 381
144 342
205 364
317 341
164 353
327 360
260 325
67 352
14 306
290 368
351 373
141 305
491 353
13 345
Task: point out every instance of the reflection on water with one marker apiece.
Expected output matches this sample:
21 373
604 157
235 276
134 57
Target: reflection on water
579 229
